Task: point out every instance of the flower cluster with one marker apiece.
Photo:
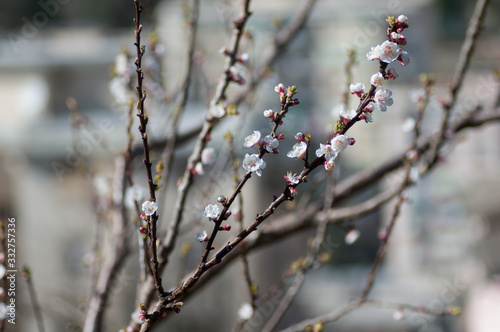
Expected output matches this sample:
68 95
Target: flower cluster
387 52
332 150
390 50
269 143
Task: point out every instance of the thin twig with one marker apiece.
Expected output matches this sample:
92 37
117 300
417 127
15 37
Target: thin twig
187 179
428 83
309 219
117 256
351 306
473 30
172 131
26 275
351 61
385 241
143 119
251 285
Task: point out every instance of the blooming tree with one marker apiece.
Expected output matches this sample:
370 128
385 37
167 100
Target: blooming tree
156 239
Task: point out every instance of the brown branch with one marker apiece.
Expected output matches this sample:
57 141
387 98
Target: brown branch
187 179
143 119
385 241
225 251
473 30
251 285
278 47
116 258
26 276
341 312
351 61
172 132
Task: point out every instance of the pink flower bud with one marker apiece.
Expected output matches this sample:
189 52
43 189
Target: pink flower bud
243 59
269 114
225 228
143 230
280 88
382 235
299 137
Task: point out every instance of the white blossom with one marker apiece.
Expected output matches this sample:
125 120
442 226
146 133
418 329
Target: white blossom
392 73
402 19
211 211
383 98
414 174
118 87
102 185
236 72
386 52
198 168
291 179
253 139
298 150
408 125
404 58
357 88
271 144
3 311
398 314
218 110
368 117
280 88
245 312
134 194
244 58
346 113
329 165
327 151
121 64
269 114
351 236
299 137
377 80
208 156
201 237
252 163
149 208
339 143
